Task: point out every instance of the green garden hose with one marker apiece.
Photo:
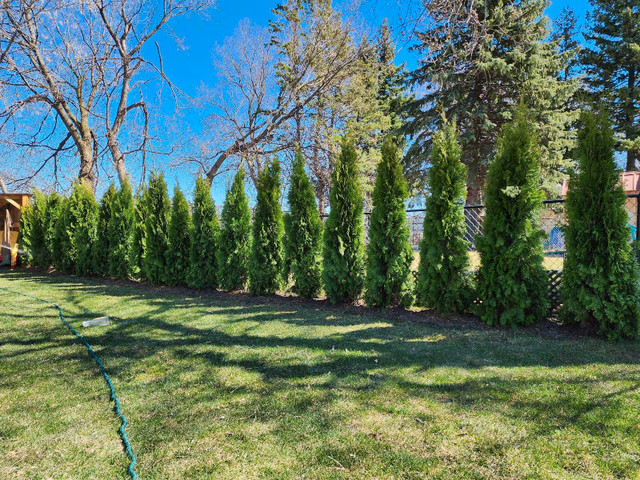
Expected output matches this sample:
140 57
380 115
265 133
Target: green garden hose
114 398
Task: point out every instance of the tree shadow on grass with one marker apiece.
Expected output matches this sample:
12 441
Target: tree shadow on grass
334 350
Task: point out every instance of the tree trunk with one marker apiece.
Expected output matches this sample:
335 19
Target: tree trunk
118 159
476 179
87 174
631 161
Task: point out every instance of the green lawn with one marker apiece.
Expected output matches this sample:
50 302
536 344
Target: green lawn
237 387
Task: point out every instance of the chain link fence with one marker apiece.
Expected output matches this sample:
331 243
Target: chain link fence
552 219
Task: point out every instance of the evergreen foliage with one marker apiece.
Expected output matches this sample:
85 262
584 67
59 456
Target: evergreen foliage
24 236
37 231
85 233
235 237
158 209
600 276
303 233
389 280
512 284
102 246
179 240
476 70
120 232
75 231
52 213
138 237
443 279
343 250
611 60
205 238
267 257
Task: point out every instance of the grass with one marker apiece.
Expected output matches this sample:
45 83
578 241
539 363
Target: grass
238 387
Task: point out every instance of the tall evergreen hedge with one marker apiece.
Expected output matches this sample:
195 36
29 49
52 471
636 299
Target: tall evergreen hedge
303 246
235 237
102 246
158 209
75 232
24 236
512 284
139 232
60 243
86 230
267 258
600 276
52 213
179 240
205 238
443 278
343 249
120 232
389 280
37 231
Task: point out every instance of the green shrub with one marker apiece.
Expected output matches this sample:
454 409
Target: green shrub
25 235
343 250
235 237
205 238
75 232
389 280
138 236
61 240
158 208
303 246
37 232
85 232
179 240
512 284
600 276
102 247
120 232
443 279
267 259
52 213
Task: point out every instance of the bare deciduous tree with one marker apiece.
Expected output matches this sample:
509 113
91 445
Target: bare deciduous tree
308 51
68 70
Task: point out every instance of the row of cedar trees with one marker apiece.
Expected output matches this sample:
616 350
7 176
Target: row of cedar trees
153 239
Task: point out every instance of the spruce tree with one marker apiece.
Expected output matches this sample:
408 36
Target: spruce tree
443 277
343 249
389 280
512 284
52 213
600 276
235 237
205 238
102 246
303 233
158 209
120 232
138 239
611 60
267 256
511 60
179 240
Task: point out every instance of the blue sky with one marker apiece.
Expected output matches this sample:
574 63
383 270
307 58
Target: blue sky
192 65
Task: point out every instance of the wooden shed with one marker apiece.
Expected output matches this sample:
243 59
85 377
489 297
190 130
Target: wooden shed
11 205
